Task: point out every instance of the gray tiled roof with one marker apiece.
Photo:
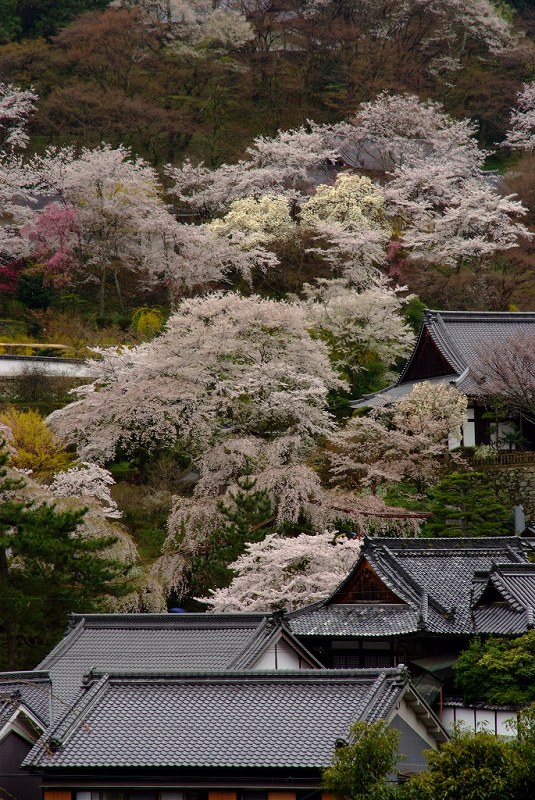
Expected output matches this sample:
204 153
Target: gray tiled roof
33 689
460 702
277 719
515 583
459 336
156 642
344 620
433 578
499 619
396 392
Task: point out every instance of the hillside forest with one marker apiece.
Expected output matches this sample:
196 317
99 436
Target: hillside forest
237 210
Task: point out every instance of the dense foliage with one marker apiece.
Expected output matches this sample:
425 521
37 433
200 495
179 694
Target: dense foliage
48 568
227 206
360 766
471 766
468 504
498 670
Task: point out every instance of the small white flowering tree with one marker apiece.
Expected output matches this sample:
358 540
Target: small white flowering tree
16 107
87 480
407 440
254 223
364 330
521 135
286 573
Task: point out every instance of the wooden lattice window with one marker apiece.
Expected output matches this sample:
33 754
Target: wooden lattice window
366 587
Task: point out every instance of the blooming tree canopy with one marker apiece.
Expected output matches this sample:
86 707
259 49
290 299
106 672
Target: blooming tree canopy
282 165
107 215
407 440
87 480
354 201
361 328
16 107
254 223
193 25
507 371
226 366
286 573
521 135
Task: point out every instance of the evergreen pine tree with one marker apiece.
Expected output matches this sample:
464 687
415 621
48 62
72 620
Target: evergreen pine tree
468 504
247 517
47 570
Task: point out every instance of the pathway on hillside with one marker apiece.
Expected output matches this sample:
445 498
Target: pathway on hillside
11 366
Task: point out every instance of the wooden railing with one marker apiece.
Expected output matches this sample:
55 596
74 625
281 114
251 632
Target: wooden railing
505 458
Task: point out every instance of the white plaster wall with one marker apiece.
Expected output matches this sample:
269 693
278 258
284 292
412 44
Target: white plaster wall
411 718
478 718
280 656
469 429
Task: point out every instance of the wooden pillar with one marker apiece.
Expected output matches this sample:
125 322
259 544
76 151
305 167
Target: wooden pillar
57 794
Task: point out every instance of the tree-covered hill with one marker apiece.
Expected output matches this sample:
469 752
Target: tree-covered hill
239 209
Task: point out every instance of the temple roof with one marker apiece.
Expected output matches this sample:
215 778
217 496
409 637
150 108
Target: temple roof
429 586
504 599
31 689
162 643
226 719
448 350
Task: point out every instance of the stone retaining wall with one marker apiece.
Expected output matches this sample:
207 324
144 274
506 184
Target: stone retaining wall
517 481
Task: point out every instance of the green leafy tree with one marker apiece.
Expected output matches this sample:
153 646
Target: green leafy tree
523 747
471 766
248 517
468 504
498 670
47 570
360 768
46 17
9 20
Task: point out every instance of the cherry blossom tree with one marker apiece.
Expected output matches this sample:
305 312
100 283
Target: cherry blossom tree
115 201
474 225
402 129
16 107
364 330
408 440
521 135
436 194
87 480
108 216
289 573
294 491
17 197
17 179
447 213
507 372
225 366
282 165
438 410
346 222
55 241
292 571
